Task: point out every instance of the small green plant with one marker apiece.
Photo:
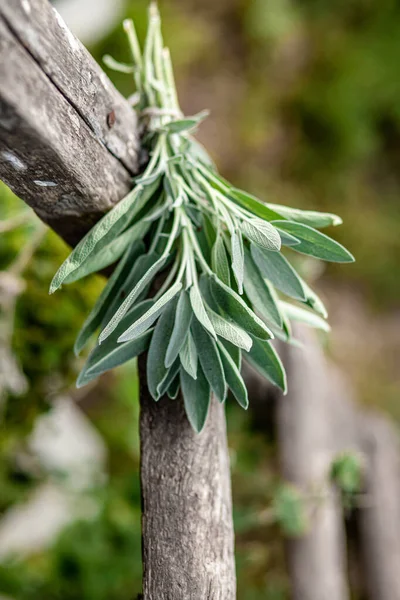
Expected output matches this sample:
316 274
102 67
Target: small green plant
200 272
347 473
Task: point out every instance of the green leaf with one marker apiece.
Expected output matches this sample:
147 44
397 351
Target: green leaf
287 239
130 299
229 330
307 217
146 320
180 125
295 313
277 269
315 243
233 377
174 388
196 398
170 376
99 356
266 361
99 310
108 228
110 253
210 360
259 292
199 309
188 356
219 261
237 259
314 301
253 205
234 352
263 234
156 369
209 231
183 318
234 306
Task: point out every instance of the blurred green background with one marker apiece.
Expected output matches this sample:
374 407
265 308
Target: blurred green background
305 111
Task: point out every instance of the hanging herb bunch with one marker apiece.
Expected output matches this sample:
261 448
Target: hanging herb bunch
201 276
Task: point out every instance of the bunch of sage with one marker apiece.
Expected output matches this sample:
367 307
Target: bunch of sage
216 250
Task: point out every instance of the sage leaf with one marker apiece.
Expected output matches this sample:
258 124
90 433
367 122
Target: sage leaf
233 377
234 352
314 301
296 313
174 388
188 356
266 361
234 306
196 398
254 205
99 310
237 259
183 318
307 217
146 320
132 296
181 125
277 269
229 330
287 239
259 293
110 253
170 376
219 261
315 243
108 228
209 359
263 234
156 369
101 352
199 310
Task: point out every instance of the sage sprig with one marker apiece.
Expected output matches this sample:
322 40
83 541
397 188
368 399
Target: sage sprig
201 275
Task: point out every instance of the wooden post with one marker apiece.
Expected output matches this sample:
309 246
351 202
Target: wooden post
62 152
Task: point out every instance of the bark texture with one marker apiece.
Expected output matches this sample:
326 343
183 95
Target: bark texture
188 542
60 150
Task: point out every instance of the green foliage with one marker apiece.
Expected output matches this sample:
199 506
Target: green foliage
347 473
289 510
208 240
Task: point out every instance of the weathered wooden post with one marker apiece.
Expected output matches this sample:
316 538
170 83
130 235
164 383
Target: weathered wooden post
69 148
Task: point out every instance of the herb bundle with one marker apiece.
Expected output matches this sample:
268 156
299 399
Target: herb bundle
200 275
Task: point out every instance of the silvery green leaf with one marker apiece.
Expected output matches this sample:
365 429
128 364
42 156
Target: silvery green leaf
198 152
234 352
219 261
295 313
180 125
156 369
196 398
170 376
259 293
99 310
209 359
307 217
188 356
121 354
252 204
237 259
229 330
266 361
287 239
146 320
137 268
313 301
109 227
274 267
130 299
110 346
236 309
110 253
183 318
233 377
174 388
209 231
315 243
199 309
262 233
